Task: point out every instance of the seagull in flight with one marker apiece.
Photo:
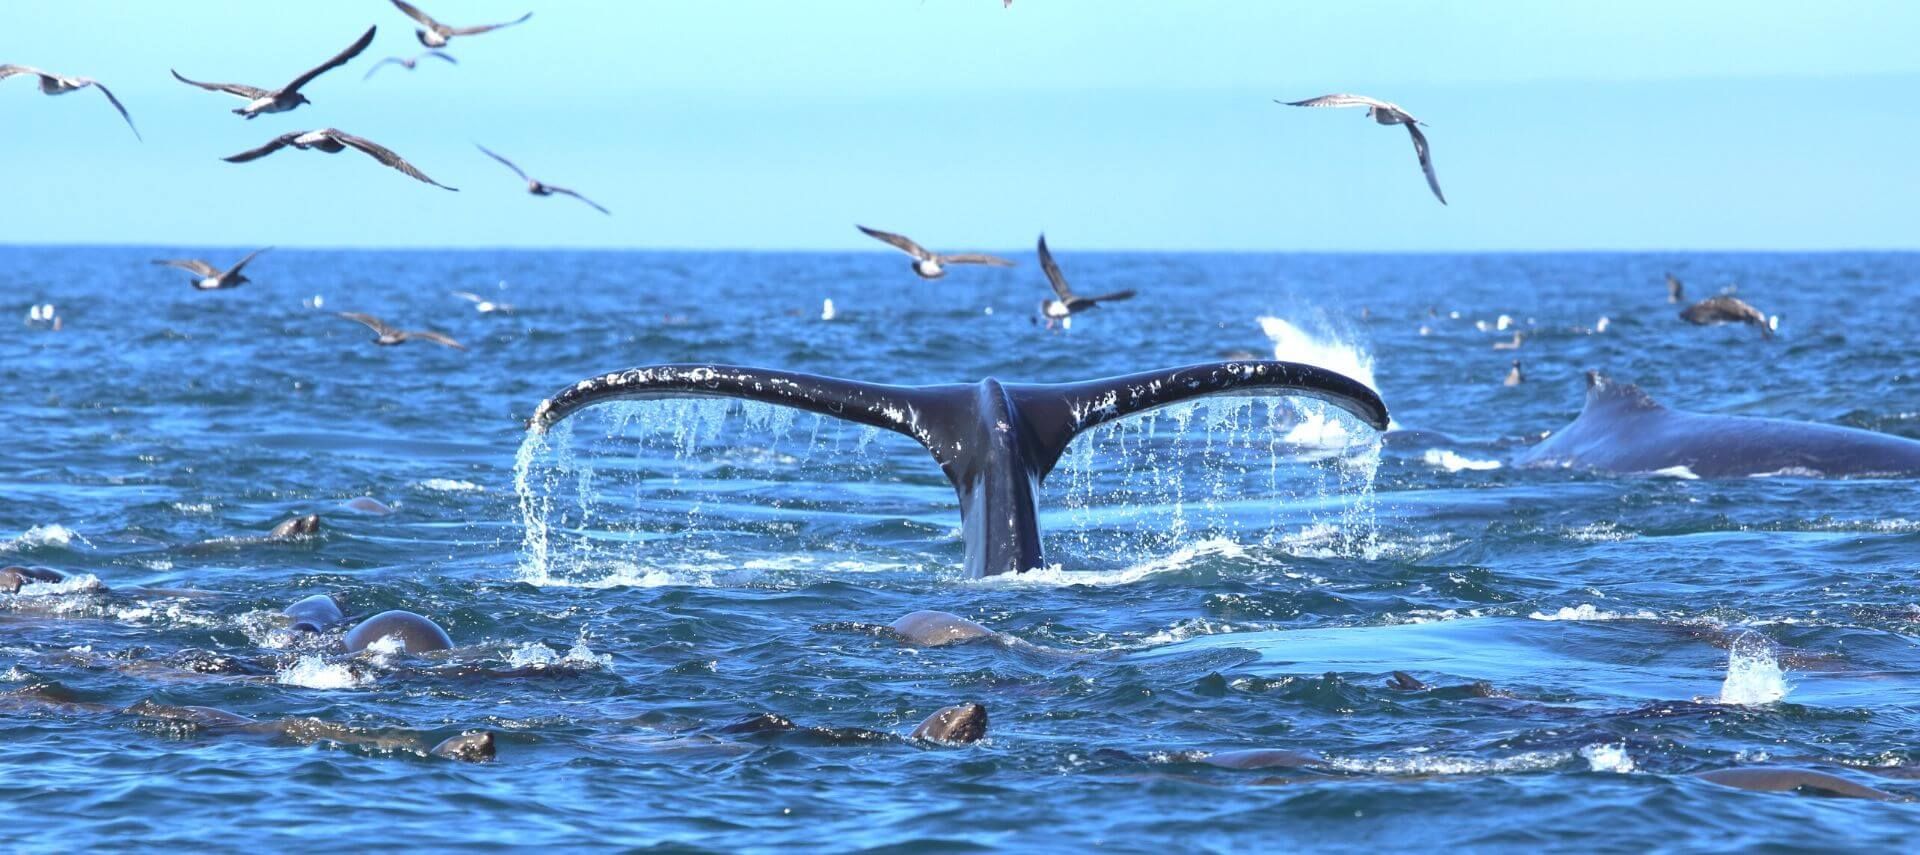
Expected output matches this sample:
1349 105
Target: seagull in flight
333 142
286 97
483 305
211 279
387 336
927 263
1386 114
1068 303
436 34
60 84
408 62
539 188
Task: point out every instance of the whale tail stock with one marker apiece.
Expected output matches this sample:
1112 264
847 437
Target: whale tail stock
996 441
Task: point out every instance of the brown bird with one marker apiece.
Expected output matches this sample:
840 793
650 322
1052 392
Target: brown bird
333 142
928 264
387 336
539 188
1727 309
408 62
57 84
211 279
436 34
1675 291
1514 377
286 97
1386 114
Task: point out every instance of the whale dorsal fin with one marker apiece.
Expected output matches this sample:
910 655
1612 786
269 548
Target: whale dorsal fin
1604 392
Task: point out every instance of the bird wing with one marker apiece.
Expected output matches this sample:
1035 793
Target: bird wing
1114 297
7 71
385 155
474 31
1054 277
565 191
243 261
469 296
446 56
509 163
117 106
271 146
1426 161
899 242
378 326
424 19
191 265
436 338
976 258
338 60
1341 100
240 89
392 60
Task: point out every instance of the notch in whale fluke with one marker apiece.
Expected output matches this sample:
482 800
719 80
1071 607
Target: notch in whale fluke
995 441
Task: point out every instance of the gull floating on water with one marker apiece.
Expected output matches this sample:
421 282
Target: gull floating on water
436 34
1386 114
333 141
387 336
927 263
59 84
408 62
539 188
286 97
211 278
1068 303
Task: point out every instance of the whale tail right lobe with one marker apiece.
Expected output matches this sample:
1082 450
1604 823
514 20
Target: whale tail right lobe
996 442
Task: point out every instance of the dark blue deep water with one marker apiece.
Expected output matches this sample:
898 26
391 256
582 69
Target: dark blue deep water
1229 576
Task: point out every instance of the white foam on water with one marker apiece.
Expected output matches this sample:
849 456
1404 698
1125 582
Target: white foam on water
1326 350
448 485
1530 761
1453 462
313 671
193 507
1753 677
1587 611
1055 576
1680 472
535 654
1605 757
83 583
44 535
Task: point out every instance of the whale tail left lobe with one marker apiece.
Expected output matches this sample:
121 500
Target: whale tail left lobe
995 441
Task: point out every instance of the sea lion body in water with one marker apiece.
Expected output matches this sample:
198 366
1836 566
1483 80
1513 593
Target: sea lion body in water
959 724
297 527
1780 780
935 628
314 614
12 578
417 634
1623 430
470 747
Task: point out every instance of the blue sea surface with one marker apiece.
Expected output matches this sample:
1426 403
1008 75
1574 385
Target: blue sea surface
1224 576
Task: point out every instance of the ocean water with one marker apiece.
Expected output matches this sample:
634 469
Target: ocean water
1239 575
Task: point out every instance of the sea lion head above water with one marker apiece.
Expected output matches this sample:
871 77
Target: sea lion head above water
314 614
416 634
960 724
472 747
297 527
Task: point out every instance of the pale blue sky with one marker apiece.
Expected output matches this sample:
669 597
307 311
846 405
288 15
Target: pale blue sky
1110 124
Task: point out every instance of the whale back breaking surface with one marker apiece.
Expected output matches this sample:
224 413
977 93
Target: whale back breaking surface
1622 429
995 441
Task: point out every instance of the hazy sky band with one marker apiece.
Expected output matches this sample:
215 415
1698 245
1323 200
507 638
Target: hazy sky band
1107 124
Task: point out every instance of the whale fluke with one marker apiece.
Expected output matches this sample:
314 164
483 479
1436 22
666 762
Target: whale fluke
996 441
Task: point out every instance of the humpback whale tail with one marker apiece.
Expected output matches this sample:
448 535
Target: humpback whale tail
995 441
